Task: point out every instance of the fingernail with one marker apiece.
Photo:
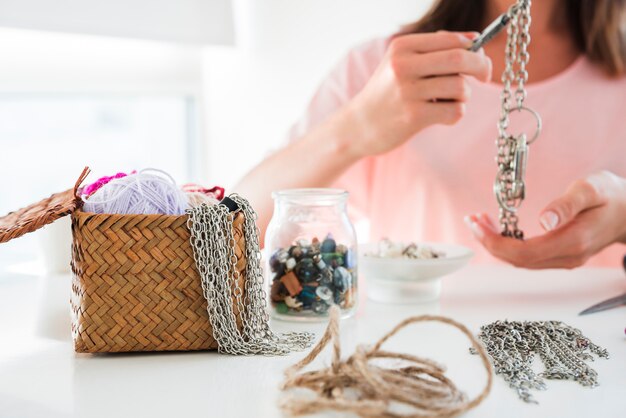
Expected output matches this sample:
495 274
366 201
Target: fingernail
476 229
549 220
469 38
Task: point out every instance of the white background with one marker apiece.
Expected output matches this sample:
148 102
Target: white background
246 95
204 113
285 48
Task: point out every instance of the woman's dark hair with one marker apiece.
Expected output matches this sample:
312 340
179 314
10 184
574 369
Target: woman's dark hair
598 26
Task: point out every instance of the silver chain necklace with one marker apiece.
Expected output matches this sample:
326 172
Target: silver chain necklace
562 349
227 303
509 186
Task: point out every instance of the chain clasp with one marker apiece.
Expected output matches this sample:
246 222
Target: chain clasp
520 158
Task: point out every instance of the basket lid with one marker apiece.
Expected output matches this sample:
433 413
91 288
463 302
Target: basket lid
31 218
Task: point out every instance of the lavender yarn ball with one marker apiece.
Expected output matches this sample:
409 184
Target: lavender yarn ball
141 193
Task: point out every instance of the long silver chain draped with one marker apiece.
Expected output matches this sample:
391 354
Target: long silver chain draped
509 187
229 304
563 350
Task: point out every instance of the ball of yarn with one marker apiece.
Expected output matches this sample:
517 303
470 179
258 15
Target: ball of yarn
141 193
198 198
216 192
96 185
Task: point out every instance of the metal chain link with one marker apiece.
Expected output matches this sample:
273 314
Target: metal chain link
228 304
563 350
509 187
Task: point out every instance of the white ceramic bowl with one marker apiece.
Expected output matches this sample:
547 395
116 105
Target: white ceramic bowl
400 280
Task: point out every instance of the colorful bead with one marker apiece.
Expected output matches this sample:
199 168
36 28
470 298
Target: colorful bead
291 282
282 308
324 293
342 279
293 303
319 307
290 264
329 245
311 276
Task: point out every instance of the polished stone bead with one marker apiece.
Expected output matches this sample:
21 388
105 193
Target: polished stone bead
319 262
319 307
326 278
292 284
293 303
282 308
290 264
278 291
306 270
303 242
333 259
274 263
339 298
342 279
329 245
324 293
296 252
282 256
307 296
350 259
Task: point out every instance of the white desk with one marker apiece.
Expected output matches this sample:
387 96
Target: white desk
44 378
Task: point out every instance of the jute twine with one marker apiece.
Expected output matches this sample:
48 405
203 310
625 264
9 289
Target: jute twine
419 388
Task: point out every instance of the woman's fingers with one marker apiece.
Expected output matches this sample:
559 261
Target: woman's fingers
447 88
405 93
434 54
513 251
587 218
435 41
565 248
446 113
580 196
450 62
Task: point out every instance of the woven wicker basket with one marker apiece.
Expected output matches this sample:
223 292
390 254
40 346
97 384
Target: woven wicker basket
135 286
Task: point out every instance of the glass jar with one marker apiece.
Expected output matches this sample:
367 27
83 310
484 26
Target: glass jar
311 250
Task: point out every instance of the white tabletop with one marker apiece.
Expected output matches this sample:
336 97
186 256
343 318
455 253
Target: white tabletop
43 377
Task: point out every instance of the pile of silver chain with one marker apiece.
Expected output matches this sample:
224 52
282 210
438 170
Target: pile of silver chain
229 304
509 187
563 350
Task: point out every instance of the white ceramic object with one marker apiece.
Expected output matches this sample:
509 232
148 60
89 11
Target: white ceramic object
401 280
55 245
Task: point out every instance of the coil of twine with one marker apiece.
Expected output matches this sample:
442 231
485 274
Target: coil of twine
356 386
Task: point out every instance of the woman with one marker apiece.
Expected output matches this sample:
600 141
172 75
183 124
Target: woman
407 125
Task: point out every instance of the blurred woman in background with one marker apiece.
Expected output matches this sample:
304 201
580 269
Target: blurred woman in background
406 124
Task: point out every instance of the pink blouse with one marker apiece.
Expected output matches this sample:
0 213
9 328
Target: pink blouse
422 190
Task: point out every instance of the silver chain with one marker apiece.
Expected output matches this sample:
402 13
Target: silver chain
563 350
509 186
228 304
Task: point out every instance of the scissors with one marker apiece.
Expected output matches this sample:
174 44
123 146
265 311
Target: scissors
609 303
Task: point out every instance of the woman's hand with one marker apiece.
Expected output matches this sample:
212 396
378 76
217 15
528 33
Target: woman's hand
588 217
420 82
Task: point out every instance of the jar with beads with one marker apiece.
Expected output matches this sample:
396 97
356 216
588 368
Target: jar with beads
311 253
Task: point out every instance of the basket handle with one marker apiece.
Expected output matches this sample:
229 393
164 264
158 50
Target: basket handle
80 180
31 218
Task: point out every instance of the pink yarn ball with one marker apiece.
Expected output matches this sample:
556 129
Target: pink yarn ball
95 186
